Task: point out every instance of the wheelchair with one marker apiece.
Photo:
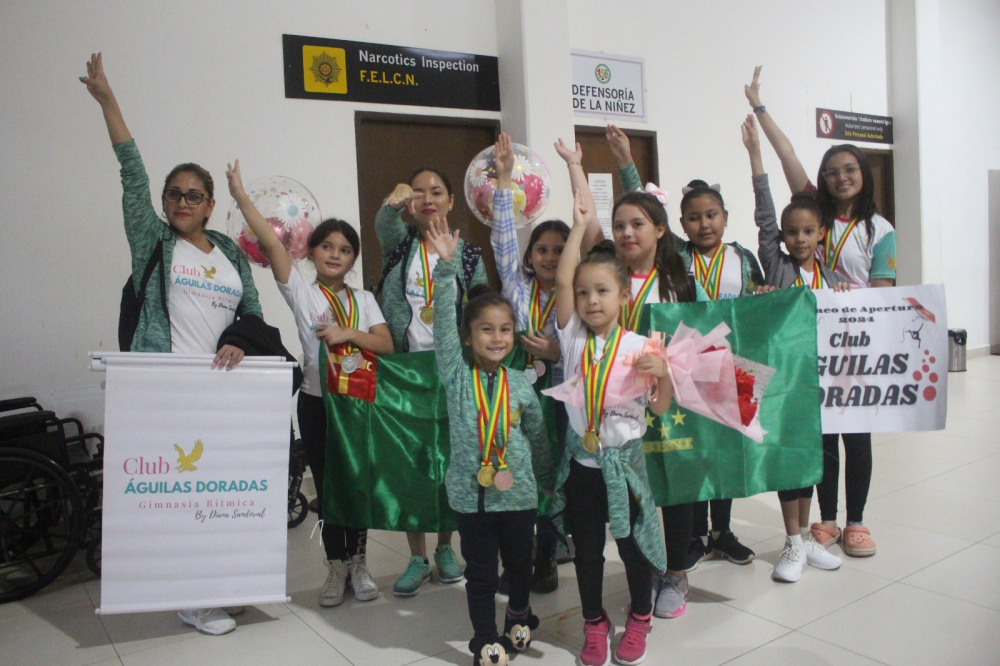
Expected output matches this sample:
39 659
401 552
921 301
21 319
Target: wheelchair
298 505
50 496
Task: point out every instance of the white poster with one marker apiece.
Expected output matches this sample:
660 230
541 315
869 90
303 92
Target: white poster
883 359
195 482
602 187
609 86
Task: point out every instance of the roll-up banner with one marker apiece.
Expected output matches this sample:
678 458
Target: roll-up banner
195 482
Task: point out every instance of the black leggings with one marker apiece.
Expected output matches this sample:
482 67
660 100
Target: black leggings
483 536
794 495
677 522
587 515
341 543
722 512
857 475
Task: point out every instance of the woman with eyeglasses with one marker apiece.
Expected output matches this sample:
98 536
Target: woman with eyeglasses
859 245
209 282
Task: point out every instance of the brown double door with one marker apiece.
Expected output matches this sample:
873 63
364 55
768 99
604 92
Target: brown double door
391 146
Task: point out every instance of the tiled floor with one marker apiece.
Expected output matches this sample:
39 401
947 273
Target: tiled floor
930 596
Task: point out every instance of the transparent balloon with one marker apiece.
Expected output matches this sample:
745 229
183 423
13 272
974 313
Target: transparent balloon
288 206
529 185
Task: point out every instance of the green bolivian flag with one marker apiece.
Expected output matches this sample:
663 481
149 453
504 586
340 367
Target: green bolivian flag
386 460
690 457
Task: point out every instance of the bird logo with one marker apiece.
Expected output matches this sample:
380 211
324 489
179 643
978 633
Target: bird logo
209 272
185 461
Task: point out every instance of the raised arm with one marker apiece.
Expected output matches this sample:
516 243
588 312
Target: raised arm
622 150
281 263
389 226
99 88
579 183
565 298
795 174
503 238
447 346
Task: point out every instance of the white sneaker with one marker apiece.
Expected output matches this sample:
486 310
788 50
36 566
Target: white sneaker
364 586
210 621
817 556
789 567
332 593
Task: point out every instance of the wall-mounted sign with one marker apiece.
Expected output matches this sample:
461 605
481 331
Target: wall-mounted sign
850 126
609 86
339 70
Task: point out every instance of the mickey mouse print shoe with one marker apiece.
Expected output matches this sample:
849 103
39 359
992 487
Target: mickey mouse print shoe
491 651
518 629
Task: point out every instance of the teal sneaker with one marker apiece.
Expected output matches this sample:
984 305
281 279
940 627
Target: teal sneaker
417 573
449 570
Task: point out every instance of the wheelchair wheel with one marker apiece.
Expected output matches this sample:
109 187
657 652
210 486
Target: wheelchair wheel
93 541
298 510
42 522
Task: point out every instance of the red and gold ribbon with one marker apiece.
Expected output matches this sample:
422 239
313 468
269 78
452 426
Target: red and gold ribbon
833 254
596 372
630 313
494 415
817 278
710 276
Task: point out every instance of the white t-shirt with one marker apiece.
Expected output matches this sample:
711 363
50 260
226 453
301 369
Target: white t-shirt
205 290
862 261
620 424
310 307
732 272
419 335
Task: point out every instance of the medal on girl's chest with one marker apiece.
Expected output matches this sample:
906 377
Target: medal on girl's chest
539 367
349 364
347 318
596 372
427 314
485 475
532 375
537 319
493 422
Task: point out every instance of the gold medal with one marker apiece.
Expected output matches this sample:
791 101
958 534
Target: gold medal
504 480
427 314
485 476
590 441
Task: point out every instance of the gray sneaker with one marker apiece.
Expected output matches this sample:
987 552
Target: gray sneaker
362 584
671 601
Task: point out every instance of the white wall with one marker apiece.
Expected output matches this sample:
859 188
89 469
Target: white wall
969 146
198 82
698 57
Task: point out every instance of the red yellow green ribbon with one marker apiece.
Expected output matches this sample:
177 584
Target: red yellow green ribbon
710 276
833 254
595 376
346 318
817 279
428 278
537 315
630 313
493 414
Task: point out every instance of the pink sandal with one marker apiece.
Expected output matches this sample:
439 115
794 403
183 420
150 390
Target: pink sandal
858 541
823 535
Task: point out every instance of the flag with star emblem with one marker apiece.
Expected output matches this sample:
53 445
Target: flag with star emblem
692 458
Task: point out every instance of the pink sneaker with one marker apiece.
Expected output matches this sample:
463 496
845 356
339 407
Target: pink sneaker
632 648
596 643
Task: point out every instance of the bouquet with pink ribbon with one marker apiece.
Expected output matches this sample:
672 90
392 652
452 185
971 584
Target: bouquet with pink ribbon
710 380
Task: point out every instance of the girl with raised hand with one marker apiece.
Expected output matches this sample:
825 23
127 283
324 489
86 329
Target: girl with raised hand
175 316
327 311
603 477
859 245
528 283
723 270
801 231
499 451
409 303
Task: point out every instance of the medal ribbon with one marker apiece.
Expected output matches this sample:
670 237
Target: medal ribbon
833 258
537 315
817 278
492 414
630 313
595 376
346 318
710 276
428 279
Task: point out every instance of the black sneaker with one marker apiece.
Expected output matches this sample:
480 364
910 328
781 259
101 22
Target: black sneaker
545 577
730 547
698 552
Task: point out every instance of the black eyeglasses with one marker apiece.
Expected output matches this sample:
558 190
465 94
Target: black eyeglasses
193 197
849 171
